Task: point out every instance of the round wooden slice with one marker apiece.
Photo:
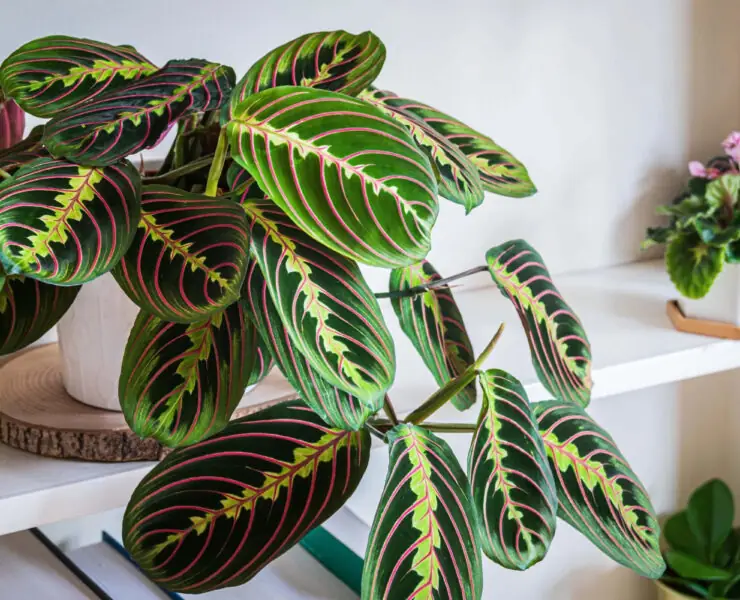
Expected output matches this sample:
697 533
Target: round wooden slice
39 416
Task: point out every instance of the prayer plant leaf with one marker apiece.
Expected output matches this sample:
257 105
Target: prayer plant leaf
599 493
189 257
561 353
423 542
212 515
435 326
513 488
28 309
344 172
55 73
66 224
136 117
326 306
182 382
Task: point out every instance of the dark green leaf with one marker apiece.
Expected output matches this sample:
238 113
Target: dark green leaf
67 224
335 406
25 151
658 235
325 304
685 586
189 257
182 382
710 514
457 176
344 172
500 172
212 515
28 309
136 117
678 534
332 60
599 494
561 353
513 488
435 326
692 568
58 72
422 543
693 265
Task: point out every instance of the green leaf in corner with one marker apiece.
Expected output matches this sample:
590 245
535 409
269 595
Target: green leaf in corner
29 308
678 534
561 352
710 514
685 586
688 566
693 265
435 326
423 542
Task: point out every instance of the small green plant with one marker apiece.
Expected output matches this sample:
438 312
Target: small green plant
704 229
243 252
703 552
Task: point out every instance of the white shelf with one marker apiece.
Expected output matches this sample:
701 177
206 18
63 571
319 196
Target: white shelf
622 308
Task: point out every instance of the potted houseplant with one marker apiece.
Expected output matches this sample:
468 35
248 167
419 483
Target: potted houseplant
703 237
243 250
703 548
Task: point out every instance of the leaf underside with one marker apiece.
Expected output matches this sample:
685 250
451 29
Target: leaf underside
513 488
561 353
435 326
12 123
214 514
344 172
599 493
422 543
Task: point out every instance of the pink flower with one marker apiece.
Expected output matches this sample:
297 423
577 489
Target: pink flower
732 145
697 169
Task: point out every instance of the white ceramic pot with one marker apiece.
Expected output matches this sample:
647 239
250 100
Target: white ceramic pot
666 593
92 338
722 303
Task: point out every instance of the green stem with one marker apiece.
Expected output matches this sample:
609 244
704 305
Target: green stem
453 387
420 289
390 411
192 167
4 174
219 159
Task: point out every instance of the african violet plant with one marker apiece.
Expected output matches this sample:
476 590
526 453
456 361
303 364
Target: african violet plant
243 251
703 234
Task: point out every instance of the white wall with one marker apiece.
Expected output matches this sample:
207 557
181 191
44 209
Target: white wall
604 101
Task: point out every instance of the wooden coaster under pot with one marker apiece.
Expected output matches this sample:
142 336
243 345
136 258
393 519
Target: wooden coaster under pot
39 416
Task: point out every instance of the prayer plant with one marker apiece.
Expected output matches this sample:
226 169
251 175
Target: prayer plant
242 252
